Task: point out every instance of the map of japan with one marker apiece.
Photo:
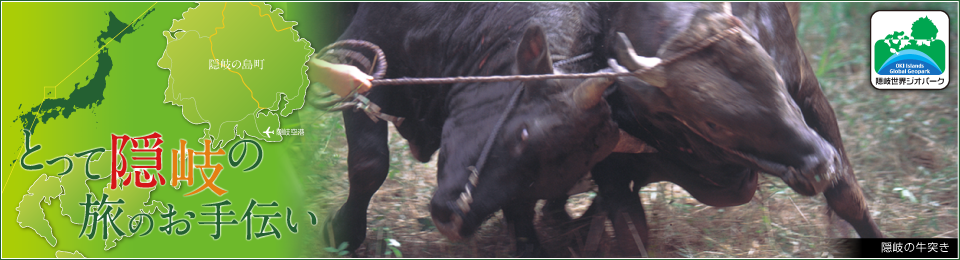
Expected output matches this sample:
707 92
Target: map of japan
72 187
237 67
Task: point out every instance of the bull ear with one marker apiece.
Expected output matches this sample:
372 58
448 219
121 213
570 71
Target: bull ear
533 57
793 9
589 93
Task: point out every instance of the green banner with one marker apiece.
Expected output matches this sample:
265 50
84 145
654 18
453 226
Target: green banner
153 130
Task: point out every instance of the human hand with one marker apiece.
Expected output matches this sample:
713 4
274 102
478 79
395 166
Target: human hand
339 78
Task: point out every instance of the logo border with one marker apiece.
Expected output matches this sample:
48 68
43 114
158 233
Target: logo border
870 62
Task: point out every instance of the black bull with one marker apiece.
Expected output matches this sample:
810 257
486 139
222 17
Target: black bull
558 130
552 138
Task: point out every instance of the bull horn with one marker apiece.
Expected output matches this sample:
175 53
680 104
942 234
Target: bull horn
648 67
589 93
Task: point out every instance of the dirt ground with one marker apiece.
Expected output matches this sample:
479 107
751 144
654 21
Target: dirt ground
902 144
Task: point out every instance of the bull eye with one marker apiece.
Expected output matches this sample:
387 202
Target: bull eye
520 146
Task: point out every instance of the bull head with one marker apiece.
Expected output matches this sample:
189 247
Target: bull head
730 102
556 132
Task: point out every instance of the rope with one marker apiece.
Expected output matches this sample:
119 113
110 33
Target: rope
496 129
466 197
381 66
475 79
345 56
574 59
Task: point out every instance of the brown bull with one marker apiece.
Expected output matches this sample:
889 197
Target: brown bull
747 102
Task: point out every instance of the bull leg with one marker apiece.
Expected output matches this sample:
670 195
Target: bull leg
621 203
368 161
519 214
630 225
846 199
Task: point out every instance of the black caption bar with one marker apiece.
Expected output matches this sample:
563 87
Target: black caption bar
896 248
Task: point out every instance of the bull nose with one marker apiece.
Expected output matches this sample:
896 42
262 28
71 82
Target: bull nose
822 161
440 211
445 218
817 171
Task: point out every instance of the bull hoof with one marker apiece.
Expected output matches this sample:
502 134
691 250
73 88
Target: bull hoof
340 229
